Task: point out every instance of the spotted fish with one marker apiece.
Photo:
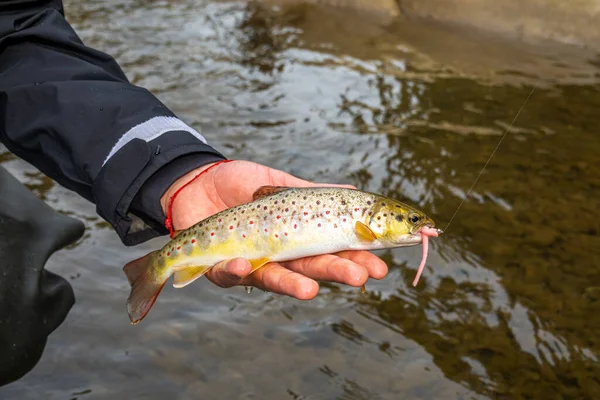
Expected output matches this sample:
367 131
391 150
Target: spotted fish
280 224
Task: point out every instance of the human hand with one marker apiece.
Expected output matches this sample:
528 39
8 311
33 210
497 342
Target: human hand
233 183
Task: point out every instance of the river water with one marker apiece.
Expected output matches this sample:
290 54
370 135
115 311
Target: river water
509 304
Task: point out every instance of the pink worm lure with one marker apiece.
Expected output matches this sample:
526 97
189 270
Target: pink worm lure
425 233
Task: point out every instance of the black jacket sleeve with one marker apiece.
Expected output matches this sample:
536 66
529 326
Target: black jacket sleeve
71 112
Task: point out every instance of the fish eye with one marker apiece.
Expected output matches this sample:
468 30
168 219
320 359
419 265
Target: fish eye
414 218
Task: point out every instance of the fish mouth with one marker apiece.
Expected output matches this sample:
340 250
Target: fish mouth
417 229
430 228
416 237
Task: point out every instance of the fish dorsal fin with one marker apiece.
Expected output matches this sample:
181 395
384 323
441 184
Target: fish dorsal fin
265 191
364 233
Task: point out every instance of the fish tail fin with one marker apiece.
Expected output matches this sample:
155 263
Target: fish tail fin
146 284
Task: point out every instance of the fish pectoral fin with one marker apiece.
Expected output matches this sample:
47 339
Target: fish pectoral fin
364 233
257 263
187 275
265 191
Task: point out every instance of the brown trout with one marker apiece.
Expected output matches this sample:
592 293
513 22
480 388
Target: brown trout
280 224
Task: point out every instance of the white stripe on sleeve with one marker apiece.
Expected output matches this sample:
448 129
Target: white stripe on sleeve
150 130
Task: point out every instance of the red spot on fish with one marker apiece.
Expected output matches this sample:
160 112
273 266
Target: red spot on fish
251 222
335 225
356 209
220 220
344 219
276 235
244 236
193 241
266 230
279 216
212 234
285 234
168 254
326 212
265 207
295 226
178 247
319 225
305 213
293 203
231 227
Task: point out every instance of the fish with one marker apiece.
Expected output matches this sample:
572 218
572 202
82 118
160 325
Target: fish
280 224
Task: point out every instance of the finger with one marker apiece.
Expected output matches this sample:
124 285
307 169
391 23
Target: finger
377 268
275 278
331 268
229 273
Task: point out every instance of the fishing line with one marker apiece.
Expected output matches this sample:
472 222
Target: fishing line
491 155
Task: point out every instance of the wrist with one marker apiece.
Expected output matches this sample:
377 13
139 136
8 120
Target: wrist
182 181
190 189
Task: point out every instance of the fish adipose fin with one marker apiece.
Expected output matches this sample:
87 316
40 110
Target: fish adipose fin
364 233
145 286
189 274
265 191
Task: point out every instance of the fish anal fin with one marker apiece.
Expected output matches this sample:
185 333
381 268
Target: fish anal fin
364 233
257 263
189 274
265 191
